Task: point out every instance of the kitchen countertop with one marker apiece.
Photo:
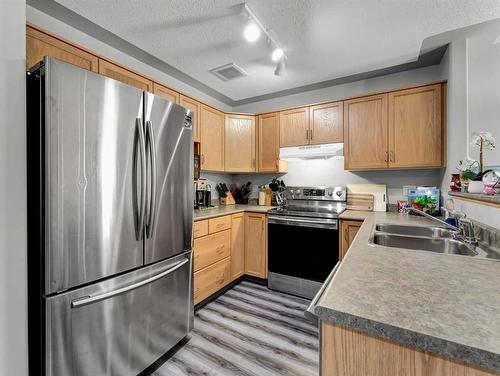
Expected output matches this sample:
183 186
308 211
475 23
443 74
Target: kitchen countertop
445 304
229 209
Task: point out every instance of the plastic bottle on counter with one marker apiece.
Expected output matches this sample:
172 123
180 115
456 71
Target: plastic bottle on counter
262 195
269 196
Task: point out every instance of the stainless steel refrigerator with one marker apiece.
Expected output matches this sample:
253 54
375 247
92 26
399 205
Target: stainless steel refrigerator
110 171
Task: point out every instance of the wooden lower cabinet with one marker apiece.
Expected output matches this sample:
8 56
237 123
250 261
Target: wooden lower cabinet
256 245
348 231
212 248
211 279
345 352
237 245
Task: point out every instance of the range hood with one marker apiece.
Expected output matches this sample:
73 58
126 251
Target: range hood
325 151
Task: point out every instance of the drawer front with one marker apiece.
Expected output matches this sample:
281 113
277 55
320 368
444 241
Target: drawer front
211 248
219 224
211 279
200 228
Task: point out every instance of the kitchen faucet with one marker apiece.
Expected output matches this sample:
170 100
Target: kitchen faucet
464 231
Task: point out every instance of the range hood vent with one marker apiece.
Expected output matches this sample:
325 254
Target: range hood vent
326 151
229 72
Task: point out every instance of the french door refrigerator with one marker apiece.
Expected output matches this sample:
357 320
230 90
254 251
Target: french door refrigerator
110 170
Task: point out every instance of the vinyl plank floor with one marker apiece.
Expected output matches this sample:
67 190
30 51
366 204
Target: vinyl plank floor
248 331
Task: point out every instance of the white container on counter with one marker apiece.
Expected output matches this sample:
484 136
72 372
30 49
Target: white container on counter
262 195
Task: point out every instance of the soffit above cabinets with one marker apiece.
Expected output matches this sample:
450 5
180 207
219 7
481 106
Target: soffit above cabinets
323 39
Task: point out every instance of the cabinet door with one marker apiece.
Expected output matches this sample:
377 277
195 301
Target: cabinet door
237 245
239 143
349 230
365 133
268 142
326 123
294 127
39 44
165 92
118 73
212 139
194 106
256 245
416 128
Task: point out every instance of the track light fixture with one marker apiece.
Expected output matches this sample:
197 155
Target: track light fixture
252 33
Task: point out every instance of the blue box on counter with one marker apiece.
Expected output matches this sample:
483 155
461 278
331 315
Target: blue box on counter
425 199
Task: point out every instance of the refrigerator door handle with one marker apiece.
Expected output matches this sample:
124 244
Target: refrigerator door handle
150 140
142 151
86 300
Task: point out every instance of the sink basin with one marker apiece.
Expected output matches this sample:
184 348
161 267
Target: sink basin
431 232
438 245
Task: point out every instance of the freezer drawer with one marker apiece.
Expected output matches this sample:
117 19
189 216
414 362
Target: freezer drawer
120 326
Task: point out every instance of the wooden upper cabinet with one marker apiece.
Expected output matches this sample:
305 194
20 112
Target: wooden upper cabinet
256 245
118 73
39 44
268 139
212 139
326 123
365 133
166 93
416 128
194 106
294 127
239 143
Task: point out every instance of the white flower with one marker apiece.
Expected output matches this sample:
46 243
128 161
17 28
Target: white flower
488 140
468 164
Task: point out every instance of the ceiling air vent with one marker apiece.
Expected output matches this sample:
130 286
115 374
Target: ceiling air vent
229 72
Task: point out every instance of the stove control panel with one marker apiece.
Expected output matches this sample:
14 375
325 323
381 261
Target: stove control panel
317 193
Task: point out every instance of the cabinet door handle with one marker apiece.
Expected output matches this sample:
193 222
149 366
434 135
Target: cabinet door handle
386 159
307 134
392 156
202 159
311 134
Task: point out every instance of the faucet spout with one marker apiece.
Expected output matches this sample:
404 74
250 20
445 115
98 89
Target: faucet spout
410 208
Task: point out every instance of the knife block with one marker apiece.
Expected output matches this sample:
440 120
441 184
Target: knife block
228 200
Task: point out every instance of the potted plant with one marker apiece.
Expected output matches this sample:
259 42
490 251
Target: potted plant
483 140
469 169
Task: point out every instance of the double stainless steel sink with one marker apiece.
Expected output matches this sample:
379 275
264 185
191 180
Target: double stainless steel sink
426 238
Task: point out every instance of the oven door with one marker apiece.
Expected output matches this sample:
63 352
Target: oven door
302 251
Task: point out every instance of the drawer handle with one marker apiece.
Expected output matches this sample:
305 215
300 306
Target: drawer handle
220 281
219 249
219 225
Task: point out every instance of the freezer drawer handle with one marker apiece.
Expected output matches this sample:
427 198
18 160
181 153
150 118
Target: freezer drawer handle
85 300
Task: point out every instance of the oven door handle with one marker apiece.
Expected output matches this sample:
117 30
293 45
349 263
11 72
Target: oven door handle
309 312
305 222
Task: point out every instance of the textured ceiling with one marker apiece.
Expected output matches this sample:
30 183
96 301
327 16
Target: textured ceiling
323 39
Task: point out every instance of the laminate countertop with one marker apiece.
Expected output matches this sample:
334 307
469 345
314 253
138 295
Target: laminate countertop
227 210
445 304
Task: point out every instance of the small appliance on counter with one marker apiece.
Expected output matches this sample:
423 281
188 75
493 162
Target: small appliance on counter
203 194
